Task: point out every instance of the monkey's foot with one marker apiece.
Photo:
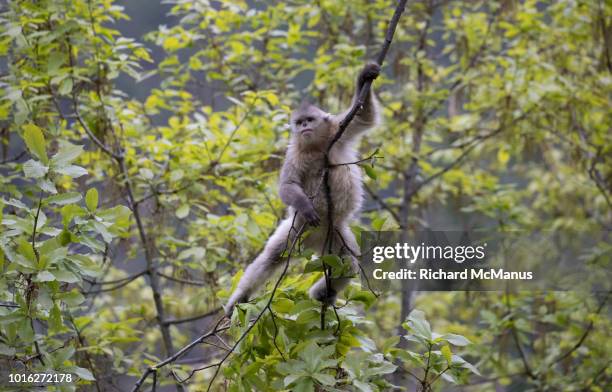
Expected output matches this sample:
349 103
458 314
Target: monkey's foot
319 292
237 297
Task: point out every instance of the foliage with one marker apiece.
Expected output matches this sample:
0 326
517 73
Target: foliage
124 218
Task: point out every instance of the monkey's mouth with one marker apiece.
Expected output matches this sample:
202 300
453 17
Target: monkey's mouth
307 131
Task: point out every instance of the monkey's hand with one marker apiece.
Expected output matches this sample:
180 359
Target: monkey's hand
310 214
369 72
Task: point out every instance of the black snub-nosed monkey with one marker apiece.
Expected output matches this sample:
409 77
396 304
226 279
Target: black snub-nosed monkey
312 130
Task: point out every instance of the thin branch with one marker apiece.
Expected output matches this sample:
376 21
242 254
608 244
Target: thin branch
191 318
522 354
383 204
180 280
122 282
365 89
475 142
273 317
13 159
216 329
278 282
358 263
588 330
344 123
366 159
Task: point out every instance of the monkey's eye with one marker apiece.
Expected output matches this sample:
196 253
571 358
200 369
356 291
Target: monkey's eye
309 119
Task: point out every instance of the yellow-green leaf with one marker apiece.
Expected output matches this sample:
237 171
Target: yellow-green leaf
91 199
503 156
35 140
370 172
447 354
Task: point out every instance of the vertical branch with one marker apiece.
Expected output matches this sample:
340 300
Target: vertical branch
30 286
117 155
357 106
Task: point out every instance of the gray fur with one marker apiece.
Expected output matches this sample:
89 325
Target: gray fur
301 189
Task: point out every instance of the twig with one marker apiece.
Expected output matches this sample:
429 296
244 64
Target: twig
275 333
588 329
192 318
365 89
366 159
246 332
123 282
109 282
180 280
13 159
383 204
216 329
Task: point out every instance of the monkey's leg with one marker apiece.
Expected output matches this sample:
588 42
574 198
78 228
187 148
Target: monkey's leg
345 244
264 264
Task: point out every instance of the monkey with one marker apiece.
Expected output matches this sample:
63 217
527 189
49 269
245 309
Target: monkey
300 188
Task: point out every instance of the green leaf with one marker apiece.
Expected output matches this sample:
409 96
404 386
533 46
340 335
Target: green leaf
378 223
147 174
44 276
65 276
6 350
71 298
282 305
448 377
308 316
25 249
362 386
91 199
176 175
34 169
66 153
62 355
290 379
325 379
419 325
65 87
35 140
456 340
25 331
47 186
332 261
64 198
369 170
82 373
313 265
103 231
305 385
17 204
73 171
459 361
55 317
182 211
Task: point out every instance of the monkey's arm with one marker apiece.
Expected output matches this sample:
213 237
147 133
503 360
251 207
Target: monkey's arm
292 194
367 116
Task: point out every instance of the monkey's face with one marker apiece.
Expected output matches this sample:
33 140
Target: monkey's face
310 125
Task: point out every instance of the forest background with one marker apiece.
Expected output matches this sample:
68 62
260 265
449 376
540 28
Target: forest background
141 143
